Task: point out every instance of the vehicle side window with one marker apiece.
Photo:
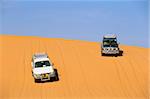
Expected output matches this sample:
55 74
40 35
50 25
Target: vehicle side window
47 63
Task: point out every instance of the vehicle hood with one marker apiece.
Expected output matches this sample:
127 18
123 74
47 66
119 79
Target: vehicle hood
42 70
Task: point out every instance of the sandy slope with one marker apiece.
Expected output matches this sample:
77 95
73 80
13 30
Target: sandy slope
83 72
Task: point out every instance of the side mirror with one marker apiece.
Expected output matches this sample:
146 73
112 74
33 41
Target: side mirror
52 64
32 64
119 43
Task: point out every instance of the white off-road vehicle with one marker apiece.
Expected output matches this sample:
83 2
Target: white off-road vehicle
109 45
42 68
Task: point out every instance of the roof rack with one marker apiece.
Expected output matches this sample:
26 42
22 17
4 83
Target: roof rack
110 36
40 55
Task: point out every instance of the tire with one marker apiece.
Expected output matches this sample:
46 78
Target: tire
32 74
53 79
36 80
102 54
56 78
116 55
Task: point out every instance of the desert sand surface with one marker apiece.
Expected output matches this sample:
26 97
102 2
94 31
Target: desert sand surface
83 72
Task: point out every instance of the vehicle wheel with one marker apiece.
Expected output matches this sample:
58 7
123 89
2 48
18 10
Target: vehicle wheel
120 53
56 78
32 73
36 80
116 55
102 54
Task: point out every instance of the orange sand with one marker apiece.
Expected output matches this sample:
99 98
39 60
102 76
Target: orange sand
83 72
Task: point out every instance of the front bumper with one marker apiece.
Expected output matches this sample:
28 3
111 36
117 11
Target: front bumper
45 77
110 51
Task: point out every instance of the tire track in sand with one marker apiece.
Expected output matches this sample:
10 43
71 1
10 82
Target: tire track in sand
59 46
135 75
126 77
119 77
24 73
82 70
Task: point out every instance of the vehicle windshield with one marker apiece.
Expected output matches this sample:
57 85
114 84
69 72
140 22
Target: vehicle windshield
42 64
110 42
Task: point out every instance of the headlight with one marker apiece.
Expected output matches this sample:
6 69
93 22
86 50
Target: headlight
52 72
37 75
104 48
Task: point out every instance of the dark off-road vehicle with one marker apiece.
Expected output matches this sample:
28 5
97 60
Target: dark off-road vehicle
109 45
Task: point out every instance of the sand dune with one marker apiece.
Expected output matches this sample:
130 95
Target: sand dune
83 72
